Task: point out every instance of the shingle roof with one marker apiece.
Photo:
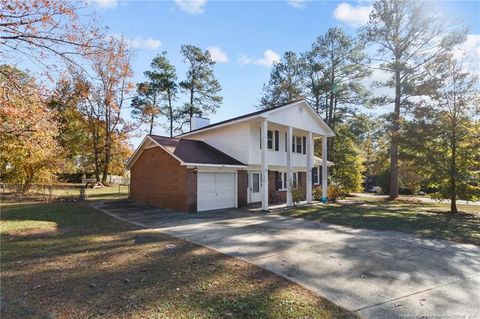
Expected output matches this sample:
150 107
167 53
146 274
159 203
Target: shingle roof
241 117
197 152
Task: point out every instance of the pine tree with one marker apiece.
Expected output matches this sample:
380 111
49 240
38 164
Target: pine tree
407 35
200 85
285 84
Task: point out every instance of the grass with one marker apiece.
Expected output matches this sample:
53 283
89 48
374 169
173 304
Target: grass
111 192
66 260
431 220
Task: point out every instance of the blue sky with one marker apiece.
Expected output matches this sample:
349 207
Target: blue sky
244 36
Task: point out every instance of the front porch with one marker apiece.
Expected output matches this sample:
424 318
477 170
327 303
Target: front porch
300 168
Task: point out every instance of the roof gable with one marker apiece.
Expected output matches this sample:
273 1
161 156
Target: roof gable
315 118
187 152
300 115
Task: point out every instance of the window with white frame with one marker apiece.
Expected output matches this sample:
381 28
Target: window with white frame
281 181
315 176
299 144
273 138
270 139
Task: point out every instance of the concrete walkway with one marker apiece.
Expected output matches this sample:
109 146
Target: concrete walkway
379 274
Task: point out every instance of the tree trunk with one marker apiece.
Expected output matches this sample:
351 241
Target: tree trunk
170 113
453 181
395 135
107 145
453 163
106 164
152 120
191 105
96 155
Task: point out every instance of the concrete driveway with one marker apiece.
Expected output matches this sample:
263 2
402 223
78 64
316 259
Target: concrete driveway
379 274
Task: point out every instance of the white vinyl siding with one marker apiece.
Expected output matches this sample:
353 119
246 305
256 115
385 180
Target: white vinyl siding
232 140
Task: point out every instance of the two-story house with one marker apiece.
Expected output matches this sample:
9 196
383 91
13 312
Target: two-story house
255 158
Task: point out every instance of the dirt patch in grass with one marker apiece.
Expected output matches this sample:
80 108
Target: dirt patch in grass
92 266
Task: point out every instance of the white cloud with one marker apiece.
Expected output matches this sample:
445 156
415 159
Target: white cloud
106 4
299 4
152 43
217 54
354 16
269 58
141 43
192 6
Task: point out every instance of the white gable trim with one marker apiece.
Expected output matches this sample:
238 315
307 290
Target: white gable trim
265 114
306 106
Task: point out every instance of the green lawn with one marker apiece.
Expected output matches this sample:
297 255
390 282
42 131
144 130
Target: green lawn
65 260
111 192
424 219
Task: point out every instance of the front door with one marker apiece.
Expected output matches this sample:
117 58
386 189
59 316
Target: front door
255 184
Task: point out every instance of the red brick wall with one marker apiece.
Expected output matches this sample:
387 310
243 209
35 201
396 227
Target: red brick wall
242 188
302 176
275 197
191 190
158 179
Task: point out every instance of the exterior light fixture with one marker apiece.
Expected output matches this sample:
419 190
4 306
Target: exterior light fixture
195 170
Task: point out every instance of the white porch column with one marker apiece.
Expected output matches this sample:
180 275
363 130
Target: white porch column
324 169
289 166
264 165
309 157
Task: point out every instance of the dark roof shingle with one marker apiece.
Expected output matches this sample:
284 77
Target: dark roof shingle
198 152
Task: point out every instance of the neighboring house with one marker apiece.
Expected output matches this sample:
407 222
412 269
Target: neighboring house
248 159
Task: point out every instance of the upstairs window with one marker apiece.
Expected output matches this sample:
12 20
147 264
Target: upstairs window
270 139
304 145
293 143
260 137
286 141
299 144
277 140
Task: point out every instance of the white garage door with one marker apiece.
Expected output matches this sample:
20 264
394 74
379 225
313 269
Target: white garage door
215 191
